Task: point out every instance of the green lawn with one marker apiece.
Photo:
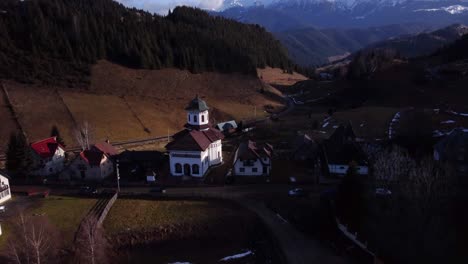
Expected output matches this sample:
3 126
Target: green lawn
143 215
65 213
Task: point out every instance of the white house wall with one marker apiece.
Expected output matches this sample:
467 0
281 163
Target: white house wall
204 159
188 157
201 118
91 173
51 166
249 170
5 195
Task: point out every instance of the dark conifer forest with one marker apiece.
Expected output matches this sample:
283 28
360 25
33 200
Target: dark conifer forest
56 41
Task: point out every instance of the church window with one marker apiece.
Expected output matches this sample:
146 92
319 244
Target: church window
241 169
203 118
195 169
189 118
254 170
194 118
178 168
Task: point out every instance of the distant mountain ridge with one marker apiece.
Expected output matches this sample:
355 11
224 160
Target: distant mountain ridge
423 44
349 13
313 47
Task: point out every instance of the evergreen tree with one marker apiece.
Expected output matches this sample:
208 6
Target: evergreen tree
56 133
351 198
19 155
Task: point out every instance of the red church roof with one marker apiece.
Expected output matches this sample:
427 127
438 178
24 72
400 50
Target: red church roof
194 140
46 148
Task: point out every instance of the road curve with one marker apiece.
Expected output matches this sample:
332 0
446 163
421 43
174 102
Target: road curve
297 247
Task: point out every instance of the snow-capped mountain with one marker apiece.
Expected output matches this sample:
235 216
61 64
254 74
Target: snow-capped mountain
348 13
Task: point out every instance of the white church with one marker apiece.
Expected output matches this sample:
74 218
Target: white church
197 147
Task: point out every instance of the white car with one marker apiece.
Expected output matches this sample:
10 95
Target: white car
383 192
298 192
2 209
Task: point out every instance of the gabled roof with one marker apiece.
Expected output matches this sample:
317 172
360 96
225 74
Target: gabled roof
107 148
341 148
197 104
251 151
46 148
305 147
194 140
92 157
226 126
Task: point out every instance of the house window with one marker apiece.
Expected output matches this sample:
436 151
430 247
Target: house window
342 167
203 118
194 118
189 118
265 169
195 169
51 169
178 168
241 169
254 170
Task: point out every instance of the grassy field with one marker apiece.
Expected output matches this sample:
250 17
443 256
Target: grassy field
277 76
142 215
125 104
38 110
65 213
7 121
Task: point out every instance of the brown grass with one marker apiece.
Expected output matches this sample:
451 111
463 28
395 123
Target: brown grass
7 122
278 77
38 110
121 102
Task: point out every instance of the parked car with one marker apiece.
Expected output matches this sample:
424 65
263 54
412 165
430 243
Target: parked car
88 190
157 189
2 209
383 192
298 192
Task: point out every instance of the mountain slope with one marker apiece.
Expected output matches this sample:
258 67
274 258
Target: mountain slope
423 44
350 14
313 46
56 41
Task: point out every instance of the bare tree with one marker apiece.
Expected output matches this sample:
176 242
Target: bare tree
83 135
33 241
91 243
392 166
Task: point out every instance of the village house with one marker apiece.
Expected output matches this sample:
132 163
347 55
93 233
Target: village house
198 147
139 165
252 159
48 157
454 149
227 127
341 150
94 164
5 191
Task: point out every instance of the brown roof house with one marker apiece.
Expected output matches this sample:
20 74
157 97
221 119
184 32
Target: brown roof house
197 147
341 150
94 164
252 159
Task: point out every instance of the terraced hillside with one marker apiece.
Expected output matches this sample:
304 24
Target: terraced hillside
124 104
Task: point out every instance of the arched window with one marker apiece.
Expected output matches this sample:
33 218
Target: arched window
178 168
194 118
203 118
195 169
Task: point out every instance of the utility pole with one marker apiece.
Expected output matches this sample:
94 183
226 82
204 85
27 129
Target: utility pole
118 176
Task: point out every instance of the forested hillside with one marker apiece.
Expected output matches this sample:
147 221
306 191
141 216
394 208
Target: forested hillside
56 41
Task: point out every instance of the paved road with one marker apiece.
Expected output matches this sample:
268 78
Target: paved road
297 247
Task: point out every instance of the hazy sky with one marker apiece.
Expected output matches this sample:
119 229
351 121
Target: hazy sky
162 6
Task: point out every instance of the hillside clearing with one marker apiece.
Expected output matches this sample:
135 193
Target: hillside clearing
279 77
